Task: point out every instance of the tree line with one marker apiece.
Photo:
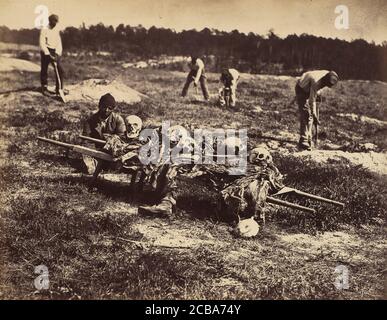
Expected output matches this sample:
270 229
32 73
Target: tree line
250 52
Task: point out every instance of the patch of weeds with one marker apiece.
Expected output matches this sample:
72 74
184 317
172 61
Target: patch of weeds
9 174
362 192
43 121
197 198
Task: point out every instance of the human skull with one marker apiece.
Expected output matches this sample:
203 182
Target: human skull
333 78
186 148
187 142
247 228
133 125
233 143
260 155
176 133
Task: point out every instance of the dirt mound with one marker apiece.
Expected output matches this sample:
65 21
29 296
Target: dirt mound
93 89
373 161
6 46
359 154
160 62
13 64
363 119
250 76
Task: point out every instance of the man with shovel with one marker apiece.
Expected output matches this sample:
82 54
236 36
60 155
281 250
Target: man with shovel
196 75
307 93
51 50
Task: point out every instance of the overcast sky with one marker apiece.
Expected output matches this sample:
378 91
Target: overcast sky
367 18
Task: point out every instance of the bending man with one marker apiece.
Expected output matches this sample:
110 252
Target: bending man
307 91
196 75
229 78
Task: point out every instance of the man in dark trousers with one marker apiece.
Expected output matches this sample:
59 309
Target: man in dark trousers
196 75
308 89
51 50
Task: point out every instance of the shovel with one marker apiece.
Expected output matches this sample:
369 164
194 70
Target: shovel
61 93
315 122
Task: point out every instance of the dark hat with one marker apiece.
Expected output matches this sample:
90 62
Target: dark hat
107 100
226 75
226 72
333 77
53 18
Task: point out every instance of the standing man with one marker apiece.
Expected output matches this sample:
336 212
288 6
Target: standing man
196 75
307 92
51 50
229 78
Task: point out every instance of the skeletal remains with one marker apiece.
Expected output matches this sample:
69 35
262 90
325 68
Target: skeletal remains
246 227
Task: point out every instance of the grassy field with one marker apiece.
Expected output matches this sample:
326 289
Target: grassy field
96 246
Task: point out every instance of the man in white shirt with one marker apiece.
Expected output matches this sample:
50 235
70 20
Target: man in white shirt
196 75
229 78
308 89
51 50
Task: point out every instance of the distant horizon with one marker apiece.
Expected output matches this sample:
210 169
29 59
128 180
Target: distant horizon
246 33
285 17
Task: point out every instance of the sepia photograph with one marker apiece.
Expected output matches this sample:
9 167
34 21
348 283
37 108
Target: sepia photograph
204 150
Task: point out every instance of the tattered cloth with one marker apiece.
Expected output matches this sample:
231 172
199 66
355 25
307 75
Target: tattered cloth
121 150
243 197
153 177
246 197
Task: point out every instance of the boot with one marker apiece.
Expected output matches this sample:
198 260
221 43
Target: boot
45 91
163 209
65 91
304 145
